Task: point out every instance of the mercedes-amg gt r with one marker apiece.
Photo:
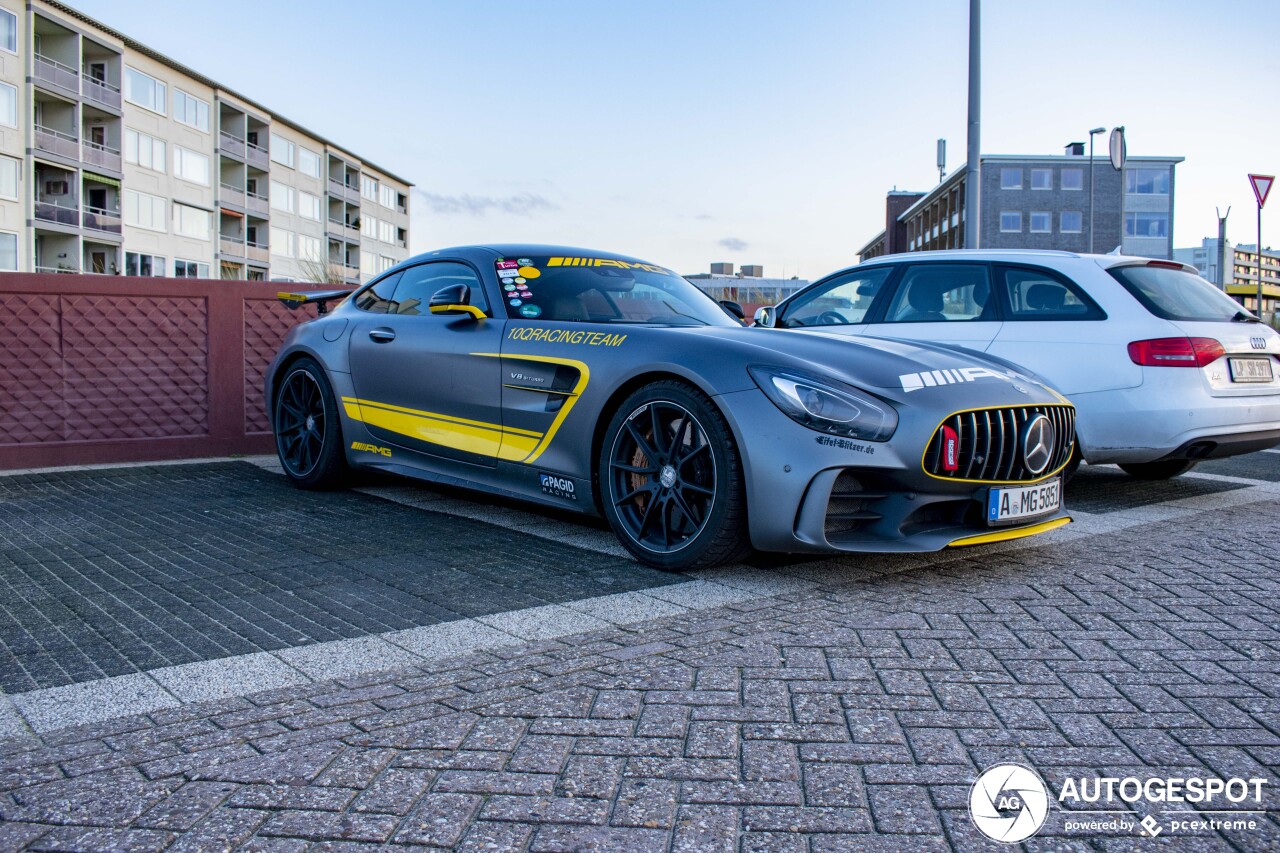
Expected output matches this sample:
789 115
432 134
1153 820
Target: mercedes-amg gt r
612 386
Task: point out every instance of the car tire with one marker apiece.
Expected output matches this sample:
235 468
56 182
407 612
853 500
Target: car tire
1165 469
678 502
307 429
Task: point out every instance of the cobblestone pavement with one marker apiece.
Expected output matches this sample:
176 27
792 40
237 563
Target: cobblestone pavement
852 712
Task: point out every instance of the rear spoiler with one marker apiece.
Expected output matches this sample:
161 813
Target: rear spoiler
318 298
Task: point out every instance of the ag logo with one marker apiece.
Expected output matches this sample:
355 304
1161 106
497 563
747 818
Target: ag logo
1009 803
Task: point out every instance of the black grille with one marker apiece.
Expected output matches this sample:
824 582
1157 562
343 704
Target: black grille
989 448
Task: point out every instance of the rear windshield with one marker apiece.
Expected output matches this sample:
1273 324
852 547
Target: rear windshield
603 290
1174 294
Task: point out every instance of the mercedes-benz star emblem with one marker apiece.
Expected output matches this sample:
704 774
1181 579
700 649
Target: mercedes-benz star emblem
1038 438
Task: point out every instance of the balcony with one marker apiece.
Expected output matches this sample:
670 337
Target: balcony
101 220
230 144
340 230
255 203
231 246
103 156
403 244
102 92
256 155
63 214
64 269
257 252
344 191
57 142
228 194
61 77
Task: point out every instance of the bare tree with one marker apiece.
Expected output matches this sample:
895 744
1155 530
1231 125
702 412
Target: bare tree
321 271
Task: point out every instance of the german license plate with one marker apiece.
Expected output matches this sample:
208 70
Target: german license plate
1005 506
1250 369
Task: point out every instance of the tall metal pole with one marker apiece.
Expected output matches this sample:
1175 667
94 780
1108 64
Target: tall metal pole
973 177
1221 278
1091 192
1260 317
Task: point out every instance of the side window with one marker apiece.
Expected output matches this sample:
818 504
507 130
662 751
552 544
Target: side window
1040 295
377 297
418 284
939 293
844 300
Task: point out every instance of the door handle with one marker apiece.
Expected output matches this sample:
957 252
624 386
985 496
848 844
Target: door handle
382 336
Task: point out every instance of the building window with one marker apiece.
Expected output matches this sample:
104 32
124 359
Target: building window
143 150
281 242
1073 179
144 90
1011 221
8 251
1147 181
282 151
1146 225
281 196
387 196
191 221
368 263
308 206
368 188
1070 222
190 269
386 231
369 226
144 211
1010 179
308 248
385 263
190 166
143 265
1041 221
190 110
309 162
1041 179
8 105
9 178
8 33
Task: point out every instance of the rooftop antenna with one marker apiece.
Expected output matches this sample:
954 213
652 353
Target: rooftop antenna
942 159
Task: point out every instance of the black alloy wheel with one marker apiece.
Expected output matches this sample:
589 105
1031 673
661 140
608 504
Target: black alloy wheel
672 481
308 435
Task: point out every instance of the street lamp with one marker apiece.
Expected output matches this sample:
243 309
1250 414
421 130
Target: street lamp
1092 134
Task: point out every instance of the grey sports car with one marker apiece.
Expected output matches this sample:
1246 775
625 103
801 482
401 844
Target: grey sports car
612 386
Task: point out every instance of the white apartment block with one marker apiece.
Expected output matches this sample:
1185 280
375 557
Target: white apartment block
117 160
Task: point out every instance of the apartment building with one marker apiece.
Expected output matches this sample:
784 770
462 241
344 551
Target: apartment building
115 159
1040 202
1234 267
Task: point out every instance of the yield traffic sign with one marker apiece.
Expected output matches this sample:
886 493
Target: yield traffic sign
1261 186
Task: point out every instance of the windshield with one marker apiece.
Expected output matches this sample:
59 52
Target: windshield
1174 294
603 290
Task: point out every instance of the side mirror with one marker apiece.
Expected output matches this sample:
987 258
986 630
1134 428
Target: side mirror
453 300
734 309
765 315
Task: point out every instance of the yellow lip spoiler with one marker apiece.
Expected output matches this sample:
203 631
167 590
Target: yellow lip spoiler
318 298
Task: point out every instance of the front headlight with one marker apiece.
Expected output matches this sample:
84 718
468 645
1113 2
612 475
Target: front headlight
826 405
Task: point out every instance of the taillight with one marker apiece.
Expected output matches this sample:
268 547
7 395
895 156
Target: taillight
1176 352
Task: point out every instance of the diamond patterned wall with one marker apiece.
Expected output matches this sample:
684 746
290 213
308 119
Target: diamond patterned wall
31 404
135 368
265 325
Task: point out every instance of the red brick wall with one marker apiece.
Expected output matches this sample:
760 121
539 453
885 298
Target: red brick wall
113 369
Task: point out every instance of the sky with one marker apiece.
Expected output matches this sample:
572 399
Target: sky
729 130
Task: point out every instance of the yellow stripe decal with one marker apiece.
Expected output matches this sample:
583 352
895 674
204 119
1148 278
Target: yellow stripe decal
584 376
456 309
457 433
1015 533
